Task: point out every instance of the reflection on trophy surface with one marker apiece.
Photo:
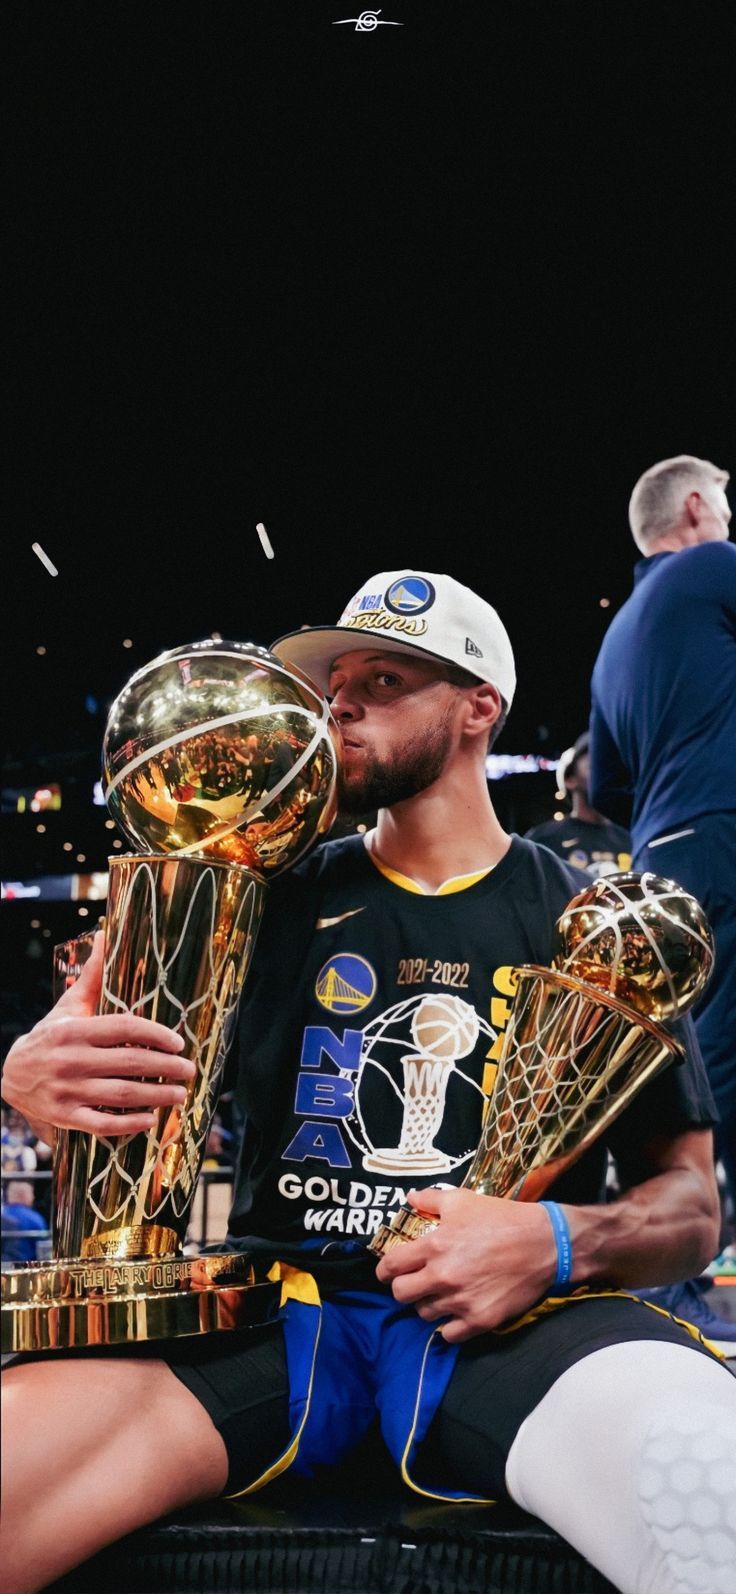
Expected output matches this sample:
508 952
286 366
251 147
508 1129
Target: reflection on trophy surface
219 764
584 1036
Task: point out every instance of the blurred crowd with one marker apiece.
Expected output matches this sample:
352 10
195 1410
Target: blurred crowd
26 1190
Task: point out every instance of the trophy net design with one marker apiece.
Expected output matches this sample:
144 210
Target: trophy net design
221 763
584 1036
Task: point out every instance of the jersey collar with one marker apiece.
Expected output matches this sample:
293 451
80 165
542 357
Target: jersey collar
459 882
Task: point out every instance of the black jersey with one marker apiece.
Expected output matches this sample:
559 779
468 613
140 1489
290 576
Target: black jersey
599 849
370 1030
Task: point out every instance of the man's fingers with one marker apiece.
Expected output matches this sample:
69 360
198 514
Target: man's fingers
416 1292
410 1287
430 1200
120 1029
128 1062
406 1257
109 1126
455 1331
430 1310
129 1093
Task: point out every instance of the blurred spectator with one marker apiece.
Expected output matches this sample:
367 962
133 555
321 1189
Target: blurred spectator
586 838
19 1216
17 1142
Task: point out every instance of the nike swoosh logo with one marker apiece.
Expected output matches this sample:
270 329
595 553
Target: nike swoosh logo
326 924
572 843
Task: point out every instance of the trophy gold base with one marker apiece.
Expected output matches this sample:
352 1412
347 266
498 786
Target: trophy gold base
77 1301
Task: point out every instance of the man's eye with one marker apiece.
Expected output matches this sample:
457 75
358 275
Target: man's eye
386 678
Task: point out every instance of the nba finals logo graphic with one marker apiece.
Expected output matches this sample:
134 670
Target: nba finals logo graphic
410 595
345 984
443 1030
410 1059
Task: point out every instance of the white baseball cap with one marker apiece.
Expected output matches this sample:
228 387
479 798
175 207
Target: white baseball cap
409 611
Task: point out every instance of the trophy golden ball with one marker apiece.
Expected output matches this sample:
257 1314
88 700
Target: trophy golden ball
218 750
640 937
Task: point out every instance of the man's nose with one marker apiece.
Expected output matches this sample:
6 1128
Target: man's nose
344 704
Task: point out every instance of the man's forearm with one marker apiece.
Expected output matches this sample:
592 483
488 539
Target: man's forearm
656 1233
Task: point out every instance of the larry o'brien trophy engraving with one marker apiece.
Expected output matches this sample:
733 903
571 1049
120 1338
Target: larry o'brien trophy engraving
219 765
584 1036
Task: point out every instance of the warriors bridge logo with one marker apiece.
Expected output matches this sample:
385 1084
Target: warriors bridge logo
345 983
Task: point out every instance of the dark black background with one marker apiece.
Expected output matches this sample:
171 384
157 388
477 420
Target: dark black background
429 296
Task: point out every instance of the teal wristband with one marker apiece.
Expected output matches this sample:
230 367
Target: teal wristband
563 1242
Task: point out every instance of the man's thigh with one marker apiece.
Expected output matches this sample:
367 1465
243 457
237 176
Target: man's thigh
242 1381
238 1379
500 1378
94 1447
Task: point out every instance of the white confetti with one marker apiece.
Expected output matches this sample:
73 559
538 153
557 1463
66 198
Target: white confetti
265 540
39 552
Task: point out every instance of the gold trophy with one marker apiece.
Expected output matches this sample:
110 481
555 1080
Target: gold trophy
220 765
584 1036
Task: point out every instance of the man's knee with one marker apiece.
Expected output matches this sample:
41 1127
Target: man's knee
631 1456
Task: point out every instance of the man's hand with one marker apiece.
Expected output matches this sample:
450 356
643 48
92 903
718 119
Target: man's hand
74 1062
486 1263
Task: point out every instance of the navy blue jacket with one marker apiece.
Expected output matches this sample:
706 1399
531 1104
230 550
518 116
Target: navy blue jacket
663 719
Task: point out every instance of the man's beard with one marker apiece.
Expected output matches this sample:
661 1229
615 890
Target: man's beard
380 785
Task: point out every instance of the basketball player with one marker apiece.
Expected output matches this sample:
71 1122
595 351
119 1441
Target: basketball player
370 1032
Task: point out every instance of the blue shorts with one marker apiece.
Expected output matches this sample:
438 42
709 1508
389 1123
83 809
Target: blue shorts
302 1392
359 1355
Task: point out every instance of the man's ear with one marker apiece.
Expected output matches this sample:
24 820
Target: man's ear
694 507
485 708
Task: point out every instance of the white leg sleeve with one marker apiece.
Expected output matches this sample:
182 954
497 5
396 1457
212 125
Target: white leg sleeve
631 1456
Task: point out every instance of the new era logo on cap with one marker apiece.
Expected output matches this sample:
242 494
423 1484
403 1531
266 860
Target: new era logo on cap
410 611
